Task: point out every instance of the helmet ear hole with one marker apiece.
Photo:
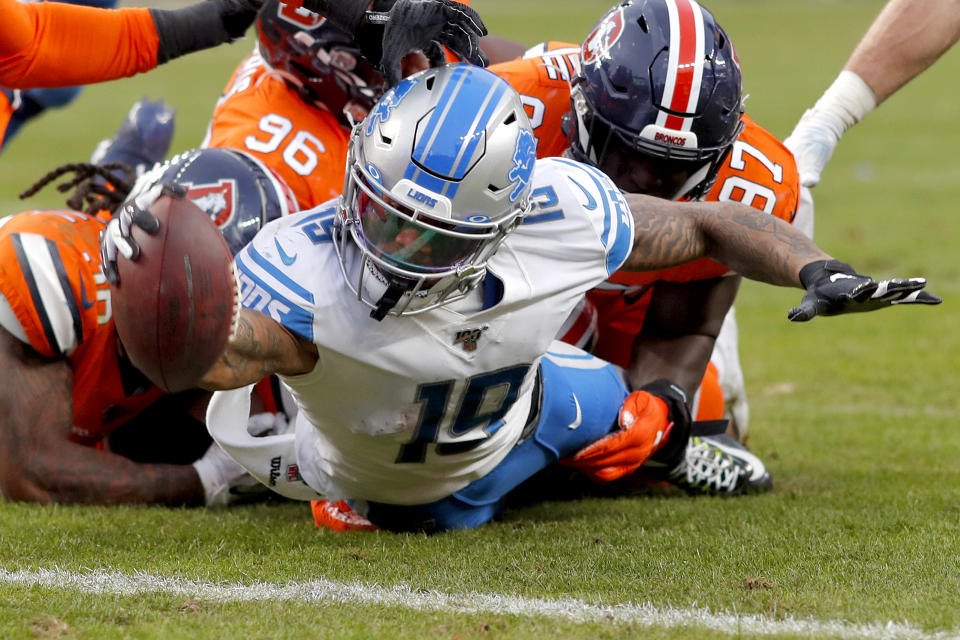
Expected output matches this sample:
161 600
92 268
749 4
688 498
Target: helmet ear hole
510 119
642 23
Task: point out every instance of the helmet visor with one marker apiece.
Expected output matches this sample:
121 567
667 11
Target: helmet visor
410 241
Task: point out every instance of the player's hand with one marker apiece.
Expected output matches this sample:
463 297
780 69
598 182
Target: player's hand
647 419
428 25
117 238
833 287
224 481
238 15
812 143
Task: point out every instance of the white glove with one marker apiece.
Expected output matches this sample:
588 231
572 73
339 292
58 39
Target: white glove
268 424
117 238
815 136
224 481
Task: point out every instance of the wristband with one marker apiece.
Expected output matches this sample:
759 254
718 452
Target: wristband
848 100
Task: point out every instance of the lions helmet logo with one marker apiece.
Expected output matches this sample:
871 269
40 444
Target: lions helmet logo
218 200
382 110
523 157
598 44
295 14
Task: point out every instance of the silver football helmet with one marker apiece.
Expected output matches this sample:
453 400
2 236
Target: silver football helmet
437 175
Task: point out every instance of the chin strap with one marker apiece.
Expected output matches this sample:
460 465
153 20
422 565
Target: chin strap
388 300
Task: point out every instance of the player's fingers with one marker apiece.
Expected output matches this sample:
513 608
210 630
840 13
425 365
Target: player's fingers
145 220
174 189
435 54
919 297
804 311
611 473
465 46
121 243
466 16
810 178
897 288
392 69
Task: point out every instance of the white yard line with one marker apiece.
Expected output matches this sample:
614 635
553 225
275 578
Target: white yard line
326 591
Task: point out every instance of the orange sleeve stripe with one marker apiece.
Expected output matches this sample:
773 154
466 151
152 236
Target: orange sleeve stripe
60 45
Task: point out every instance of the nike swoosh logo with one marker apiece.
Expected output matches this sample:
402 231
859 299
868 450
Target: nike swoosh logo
576 423
287 260
86 304
591 203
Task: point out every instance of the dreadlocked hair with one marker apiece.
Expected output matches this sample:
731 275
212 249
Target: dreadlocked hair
117 182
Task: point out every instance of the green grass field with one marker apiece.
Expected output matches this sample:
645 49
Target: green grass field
855 416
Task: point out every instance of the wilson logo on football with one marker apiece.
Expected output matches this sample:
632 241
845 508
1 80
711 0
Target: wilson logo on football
294 13
218 200
597 45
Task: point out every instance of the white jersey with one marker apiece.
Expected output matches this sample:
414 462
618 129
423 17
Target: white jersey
411 409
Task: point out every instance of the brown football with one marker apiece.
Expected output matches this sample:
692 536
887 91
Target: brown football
175 304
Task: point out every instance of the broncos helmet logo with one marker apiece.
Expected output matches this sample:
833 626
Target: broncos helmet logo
597 45
390 100
218 200
524 154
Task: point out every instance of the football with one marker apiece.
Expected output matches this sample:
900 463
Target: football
175 305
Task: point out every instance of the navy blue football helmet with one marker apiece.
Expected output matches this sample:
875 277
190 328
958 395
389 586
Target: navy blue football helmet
658 101
320 60
238 192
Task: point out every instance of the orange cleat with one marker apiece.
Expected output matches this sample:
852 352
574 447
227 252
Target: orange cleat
339 516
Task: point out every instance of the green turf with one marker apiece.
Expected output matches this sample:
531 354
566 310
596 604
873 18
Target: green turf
855 416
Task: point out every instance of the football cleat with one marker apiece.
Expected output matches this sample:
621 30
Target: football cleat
339 516
719 465
143 138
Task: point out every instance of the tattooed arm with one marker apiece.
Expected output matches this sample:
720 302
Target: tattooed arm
259 348
39 463
754 244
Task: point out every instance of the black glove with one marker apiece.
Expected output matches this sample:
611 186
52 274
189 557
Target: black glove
410 25
676 398
833 287
117 238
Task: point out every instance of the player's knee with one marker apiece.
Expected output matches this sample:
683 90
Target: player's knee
448 514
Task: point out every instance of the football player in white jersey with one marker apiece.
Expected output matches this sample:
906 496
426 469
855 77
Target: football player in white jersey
413 318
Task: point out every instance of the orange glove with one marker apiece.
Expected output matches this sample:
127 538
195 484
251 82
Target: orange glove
646 421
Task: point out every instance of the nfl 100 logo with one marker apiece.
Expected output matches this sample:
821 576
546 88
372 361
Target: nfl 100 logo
468 338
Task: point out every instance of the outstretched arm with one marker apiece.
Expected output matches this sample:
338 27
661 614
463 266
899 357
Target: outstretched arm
39 463
906 38
52 44
755 245
258 348
760 247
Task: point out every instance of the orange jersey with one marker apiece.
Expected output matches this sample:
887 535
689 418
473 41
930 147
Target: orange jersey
307 146
52 44
758 171
542 78
50 274
6 112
